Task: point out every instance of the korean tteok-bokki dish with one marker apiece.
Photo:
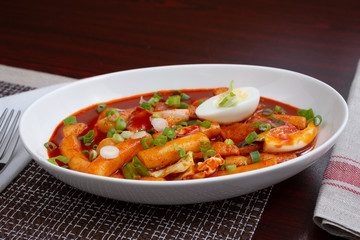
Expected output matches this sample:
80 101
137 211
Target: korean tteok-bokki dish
183 134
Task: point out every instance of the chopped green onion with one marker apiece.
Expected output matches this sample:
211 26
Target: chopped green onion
161 141
146 105
317 120
110 113
60 158
140 167
183 105
50 146
209 153
184 96
267 112
205 146
265 127
222 167
169 132
94 146
155 99
145 140
85 152
181 151
155 115
190 123
127 134
229 141
185 124
279 109
201 101
111 133
69 120
129 171
92 154
88 138
241 144
173 100
231 167
117 138
308 114
279 121
205 124
101 107
255 156
120 124
256 124
251 137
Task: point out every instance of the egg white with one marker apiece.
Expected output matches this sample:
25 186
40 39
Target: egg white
225 115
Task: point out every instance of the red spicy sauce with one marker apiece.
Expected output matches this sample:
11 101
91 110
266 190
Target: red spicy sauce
89 115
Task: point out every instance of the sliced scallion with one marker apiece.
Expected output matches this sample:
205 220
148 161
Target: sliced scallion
229 141
146 105
267 112
182 105
110 114
50 146
140 167
205 146
181 151
279 109
69 120
231 167
145 141
120 124
92 155
255 156
173 100
161 140
117 138
251 137
101 107
169 132
111 132
209 153
205 124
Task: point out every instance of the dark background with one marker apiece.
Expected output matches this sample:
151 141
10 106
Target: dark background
85 38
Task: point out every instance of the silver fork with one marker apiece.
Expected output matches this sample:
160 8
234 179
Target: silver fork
9 135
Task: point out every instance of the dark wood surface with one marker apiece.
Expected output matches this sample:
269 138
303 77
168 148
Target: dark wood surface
85 38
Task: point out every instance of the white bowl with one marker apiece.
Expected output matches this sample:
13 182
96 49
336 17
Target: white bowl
40 119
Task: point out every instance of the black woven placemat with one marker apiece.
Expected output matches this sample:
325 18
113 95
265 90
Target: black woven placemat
38 206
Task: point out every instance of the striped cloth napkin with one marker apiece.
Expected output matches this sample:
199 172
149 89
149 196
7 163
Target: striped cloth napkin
338 206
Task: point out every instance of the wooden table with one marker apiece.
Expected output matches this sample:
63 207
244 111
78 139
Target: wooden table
86 38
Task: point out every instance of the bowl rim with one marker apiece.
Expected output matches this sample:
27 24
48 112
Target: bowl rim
329 142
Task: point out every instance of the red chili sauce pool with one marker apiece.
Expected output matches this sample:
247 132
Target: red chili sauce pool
89 115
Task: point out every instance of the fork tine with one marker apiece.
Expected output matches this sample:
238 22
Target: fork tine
3 116
6 124
12 145
9 130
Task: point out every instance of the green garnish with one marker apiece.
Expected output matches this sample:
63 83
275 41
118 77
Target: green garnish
251 137
229 141
173 100
161 141
92 155
120 124
110 114
50 146
145 144
181 151
255 156
101 107
231 167
69 120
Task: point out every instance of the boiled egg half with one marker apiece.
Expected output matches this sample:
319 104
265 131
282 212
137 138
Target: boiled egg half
232 106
